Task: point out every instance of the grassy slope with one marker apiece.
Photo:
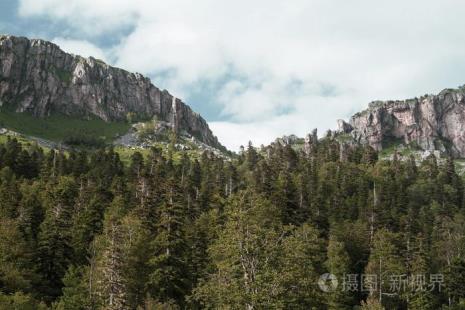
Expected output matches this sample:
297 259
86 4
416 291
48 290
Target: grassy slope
25 142
58 127
125 153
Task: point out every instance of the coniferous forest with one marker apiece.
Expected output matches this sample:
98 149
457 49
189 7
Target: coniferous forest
273 228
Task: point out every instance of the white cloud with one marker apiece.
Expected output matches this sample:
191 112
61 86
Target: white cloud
281 67
90 16
80 47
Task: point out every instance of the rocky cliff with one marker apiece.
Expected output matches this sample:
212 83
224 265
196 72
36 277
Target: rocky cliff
37 77
431 122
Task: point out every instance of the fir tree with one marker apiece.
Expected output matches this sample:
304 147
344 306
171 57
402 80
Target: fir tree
110 278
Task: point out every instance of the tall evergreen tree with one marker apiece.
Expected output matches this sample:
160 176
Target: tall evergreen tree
54 251
112 285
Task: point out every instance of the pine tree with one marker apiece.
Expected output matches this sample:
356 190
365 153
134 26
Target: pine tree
419 295
301 264
87 220
54 251
111 263
15 271
251 156
245 256
137 253
455 284
168 260
385 262
75 291
10 194
338 264
30 213
286 198
200 235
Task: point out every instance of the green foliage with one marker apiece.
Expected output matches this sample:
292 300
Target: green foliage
54 251
58 128
111 260
88 141
146 130
75 291
455 284
385 262
259 263
162 228
131 117
371 304
299 267
338 264
20 301
244 256
15 271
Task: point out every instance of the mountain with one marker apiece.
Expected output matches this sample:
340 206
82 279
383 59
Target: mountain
430 123
38 78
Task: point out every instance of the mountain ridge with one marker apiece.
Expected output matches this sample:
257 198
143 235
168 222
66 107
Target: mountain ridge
430 122
39 78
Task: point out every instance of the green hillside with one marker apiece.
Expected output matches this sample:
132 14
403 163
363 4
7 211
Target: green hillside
58 128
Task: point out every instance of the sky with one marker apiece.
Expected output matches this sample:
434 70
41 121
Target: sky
261 69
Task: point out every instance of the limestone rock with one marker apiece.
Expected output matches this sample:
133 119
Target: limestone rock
343 126
37 77
432 122
311 140
285 140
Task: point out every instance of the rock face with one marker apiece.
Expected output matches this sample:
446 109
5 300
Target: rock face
432 123
311 140
37 77
343 126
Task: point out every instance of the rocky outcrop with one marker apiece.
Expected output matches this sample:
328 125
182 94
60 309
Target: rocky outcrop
431 122
311 140
343 126
285 140
37 77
